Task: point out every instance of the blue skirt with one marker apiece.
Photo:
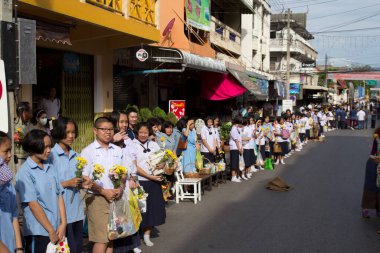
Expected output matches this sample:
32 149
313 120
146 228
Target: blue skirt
155 214
371 194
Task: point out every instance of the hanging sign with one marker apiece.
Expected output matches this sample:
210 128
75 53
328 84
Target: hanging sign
177 107
3 100
142 55
198 14
309 64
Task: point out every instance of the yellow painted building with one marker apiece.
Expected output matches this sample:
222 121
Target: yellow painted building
85 32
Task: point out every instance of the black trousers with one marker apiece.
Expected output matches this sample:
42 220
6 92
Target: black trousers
74 234
36 243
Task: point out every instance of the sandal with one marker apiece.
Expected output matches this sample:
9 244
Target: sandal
365 214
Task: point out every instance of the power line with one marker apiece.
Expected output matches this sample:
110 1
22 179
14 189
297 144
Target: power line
350 22
294 7
349 30
343 12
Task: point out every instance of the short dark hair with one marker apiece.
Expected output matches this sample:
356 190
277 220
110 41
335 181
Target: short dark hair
37 114
115 117
22 107
59 131
3 137
34 142
237 120
181 123
244 121
165 125
141 125
130 110
100 120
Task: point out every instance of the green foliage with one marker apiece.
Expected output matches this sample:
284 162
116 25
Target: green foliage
159 113
172 118
145 114
225 130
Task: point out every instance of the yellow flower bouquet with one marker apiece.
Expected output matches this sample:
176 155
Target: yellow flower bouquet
116 174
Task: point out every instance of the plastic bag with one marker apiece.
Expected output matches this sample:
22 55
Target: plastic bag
198 160
123 219
259 160
61 247
268 164
241 163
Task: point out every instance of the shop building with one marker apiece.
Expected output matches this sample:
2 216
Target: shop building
75 41
302 77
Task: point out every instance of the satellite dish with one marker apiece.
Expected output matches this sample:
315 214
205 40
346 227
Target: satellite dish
168 28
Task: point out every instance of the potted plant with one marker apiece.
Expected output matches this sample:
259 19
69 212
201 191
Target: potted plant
225 130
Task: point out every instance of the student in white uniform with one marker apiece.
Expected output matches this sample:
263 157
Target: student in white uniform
208 147
236 149
155 214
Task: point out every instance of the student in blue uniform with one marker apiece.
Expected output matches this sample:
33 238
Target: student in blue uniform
9 228
64 133
40 195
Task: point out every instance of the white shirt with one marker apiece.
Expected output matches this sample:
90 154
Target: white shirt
129 156
235 135
260 139
142 158
96 154
252 142
51 107
217 136
208 135
246 133
361 115
278 130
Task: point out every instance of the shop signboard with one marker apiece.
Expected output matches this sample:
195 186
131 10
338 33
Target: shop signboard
287 104
371 82
178 107
294 88
309 64
198 14
3 100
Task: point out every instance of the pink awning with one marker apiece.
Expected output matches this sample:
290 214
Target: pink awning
217 86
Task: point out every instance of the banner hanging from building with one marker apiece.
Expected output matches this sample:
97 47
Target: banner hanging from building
3 100
178 107
198 14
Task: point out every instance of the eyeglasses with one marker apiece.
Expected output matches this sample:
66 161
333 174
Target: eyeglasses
105 129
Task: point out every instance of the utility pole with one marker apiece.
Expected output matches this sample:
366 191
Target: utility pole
289 40
325 83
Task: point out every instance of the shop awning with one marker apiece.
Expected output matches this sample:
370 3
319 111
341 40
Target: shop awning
315 88
163 59
247 82
203 63
217 86
52 33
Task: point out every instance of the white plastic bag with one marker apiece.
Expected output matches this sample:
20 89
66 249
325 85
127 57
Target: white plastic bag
241 163
61 247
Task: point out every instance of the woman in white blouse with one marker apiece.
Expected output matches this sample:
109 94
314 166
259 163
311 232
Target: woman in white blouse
155 214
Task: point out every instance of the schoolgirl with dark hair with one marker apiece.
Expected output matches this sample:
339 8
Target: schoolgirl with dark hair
40 195
64 133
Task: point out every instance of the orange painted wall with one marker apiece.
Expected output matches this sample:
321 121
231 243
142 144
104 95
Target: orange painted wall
170 9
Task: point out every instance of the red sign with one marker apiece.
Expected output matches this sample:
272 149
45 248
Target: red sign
177 107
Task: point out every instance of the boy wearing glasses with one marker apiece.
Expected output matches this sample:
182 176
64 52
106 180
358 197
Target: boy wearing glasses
102 192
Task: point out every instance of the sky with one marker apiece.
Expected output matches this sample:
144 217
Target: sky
343 48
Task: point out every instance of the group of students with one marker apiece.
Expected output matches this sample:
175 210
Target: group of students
48 187
277 138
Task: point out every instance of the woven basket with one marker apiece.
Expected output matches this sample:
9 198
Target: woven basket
190 174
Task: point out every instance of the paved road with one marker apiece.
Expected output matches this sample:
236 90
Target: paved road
322 213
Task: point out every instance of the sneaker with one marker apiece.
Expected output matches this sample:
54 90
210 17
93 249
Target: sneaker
249 175
298 150
254 170
261 168
244 177
235 180
276 162
282 162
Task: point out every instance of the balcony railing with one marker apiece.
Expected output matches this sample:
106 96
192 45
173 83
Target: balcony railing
296 46
141 10
111 5
224 36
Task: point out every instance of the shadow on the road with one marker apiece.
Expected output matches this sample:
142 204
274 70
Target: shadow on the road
322 213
